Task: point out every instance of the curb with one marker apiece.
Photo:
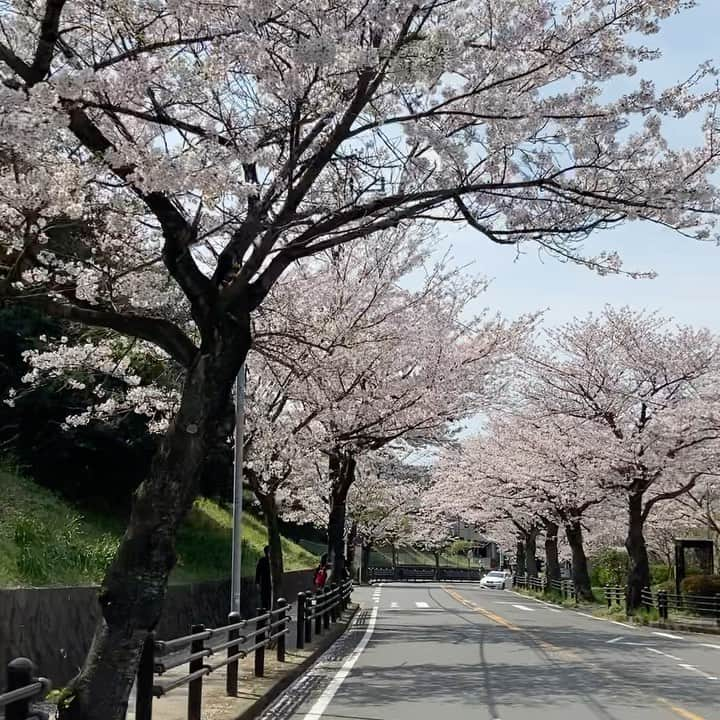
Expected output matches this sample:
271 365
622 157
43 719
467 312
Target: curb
286 680
671 625
683 627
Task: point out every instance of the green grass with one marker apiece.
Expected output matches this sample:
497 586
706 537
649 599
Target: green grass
382 556
46 541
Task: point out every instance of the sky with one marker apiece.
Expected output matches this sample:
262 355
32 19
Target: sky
687 287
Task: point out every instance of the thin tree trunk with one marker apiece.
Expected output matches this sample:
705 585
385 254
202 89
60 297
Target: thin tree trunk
393 555
639 571
552 559
531 552
580 574
520 566
133 591
365 562
277 567
342 476
352 537
437 565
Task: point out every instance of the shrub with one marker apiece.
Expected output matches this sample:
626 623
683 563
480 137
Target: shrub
659 573
701 585
610 567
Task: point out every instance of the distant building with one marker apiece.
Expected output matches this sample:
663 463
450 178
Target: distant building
485 551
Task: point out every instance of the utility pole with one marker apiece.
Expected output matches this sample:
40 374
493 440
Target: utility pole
236 574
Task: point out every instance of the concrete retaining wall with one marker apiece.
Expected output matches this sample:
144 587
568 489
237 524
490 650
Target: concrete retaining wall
54 626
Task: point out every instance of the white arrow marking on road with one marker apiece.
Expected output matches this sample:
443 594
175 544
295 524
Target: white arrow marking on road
523 607
660 652
421 605
668 635
699 672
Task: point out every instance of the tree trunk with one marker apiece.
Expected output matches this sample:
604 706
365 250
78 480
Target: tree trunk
133 591
342 476
352 537
365 562
580 574
552 560
393 556
520 566
437 565
277 567
639 572
531 552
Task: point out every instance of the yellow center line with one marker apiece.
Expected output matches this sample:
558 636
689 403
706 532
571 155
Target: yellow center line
686 714
549 647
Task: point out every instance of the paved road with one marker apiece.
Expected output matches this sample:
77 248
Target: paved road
455 652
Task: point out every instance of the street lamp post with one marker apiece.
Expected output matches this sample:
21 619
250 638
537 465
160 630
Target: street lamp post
236 573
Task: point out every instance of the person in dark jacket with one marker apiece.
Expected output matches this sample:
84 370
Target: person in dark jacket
263 579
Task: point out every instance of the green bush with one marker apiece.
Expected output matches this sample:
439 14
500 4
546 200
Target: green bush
610 568
460 547
701 585
659 573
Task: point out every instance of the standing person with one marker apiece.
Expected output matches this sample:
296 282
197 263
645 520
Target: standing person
321 573
263 579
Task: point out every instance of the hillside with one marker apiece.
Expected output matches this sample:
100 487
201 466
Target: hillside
46 541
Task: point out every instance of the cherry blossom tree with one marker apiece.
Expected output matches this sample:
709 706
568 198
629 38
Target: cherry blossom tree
651 386
160 157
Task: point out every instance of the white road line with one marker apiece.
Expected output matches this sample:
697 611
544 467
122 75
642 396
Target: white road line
394 606
421 605
592 617
714 647
660 652
321 704
668 635
622 624
524 607
699 672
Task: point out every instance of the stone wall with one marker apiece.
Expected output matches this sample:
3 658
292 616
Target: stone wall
54 626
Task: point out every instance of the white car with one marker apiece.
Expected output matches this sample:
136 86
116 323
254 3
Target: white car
494 580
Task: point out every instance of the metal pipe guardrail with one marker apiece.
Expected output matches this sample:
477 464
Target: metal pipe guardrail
23 686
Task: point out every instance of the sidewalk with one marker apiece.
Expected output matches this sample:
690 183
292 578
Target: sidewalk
253 693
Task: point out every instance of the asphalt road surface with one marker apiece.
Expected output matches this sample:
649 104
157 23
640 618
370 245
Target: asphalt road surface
455 652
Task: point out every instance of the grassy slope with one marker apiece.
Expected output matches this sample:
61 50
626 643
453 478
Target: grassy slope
382 556
44 540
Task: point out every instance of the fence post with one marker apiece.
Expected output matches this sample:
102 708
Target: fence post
231 676
309 596
282 605
145 676
608 598
646 597
195 686
319 594
300 620
19 674
662 604
328 608
717 608
260 652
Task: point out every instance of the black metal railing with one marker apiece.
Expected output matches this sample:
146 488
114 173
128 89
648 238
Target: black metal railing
422 573
319 608
23 686
687 606
204 651
563 588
